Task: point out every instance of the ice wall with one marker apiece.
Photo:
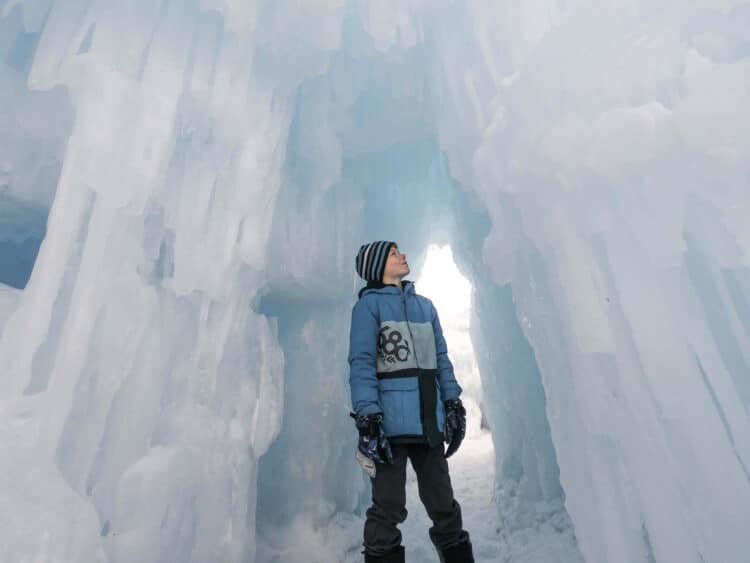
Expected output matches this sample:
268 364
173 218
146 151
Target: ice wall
132 363
610 147
36 126
174 375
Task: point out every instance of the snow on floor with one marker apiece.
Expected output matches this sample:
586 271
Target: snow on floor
472 471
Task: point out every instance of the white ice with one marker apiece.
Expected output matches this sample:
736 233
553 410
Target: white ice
173 377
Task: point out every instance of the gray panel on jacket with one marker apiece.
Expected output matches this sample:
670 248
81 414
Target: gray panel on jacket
397 351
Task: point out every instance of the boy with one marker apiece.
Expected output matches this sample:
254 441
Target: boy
406 402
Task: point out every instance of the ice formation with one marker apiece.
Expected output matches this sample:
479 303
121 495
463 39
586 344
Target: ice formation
173 369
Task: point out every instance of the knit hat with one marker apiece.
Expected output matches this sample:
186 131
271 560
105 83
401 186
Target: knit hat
370 260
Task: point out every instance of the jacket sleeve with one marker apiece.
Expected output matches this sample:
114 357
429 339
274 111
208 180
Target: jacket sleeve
449 387
363 343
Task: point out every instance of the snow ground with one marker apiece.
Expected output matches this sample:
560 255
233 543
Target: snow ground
472 471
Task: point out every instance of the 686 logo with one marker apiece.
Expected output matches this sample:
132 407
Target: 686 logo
392 346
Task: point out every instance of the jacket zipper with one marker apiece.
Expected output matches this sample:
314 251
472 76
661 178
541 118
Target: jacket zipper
416 361
406 316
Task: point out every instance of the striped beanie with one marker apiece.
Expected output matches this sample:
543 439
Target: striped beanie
370 261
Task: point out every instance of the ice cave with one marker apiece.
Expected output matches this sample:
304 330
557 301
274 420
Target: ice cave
184 185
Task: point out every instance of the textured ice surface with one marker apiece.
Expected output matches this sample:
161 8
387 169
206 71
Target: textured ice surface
173 375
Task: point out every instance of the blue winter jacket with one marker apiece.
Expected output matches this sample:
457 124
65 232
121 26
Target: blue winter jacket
399 363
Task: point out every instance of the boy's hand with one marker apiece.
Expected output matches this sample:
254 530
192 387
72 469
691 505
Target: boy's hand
455 425
372 441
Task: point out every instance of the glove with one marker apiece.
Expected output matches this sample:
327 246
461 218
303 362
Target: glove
455 425
367 464
372 441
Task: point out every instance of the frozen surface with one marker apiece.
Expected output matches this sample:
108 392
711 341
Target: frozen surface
173 373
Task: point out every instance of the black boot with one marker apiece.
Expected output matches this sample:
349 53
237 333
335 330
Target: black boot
393 556
460 553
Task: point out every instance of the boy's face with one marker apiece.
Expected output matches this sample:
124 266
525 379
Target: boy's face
396 265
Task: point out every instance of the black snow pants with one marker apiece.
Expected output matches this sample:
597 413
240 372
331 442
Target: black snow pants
389 499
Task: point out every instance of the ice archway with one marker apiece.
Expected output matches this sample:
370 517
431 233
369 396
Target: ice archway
178 350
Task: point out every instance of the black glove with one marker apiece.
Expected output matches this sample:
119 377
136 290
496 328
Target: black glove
372 441
455 425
